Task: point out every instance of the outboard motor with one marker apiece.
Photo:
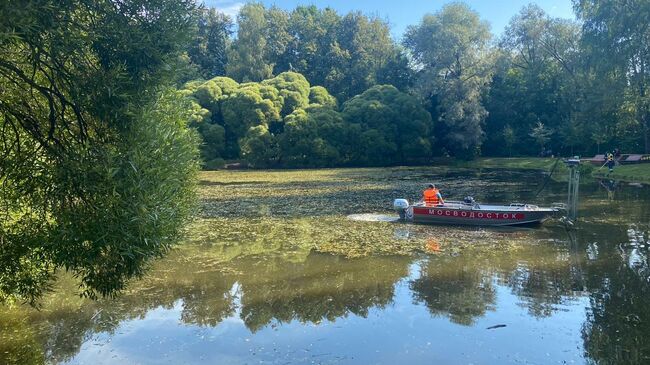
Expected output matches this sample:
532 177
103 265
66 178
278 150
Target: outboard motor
400 206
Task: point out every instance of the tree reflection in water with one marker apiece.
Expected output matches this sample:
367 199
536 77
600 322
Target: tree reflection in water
463 288
325 287
617 330
454 289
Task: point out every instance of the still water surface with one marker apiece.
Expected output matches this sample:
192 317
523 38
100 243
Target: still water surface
275 272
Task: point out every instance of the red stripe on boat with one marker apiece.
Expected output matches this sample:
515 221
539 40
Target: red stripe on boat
452 213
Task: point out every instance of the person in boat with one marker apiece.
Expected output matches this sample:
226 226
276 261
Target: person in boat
431 196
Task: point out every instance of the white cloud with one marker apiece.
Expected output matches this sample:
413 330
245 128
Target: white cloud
228 7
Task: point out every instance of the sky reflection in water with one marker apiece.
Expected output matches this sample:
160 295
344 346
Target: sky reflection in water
402 330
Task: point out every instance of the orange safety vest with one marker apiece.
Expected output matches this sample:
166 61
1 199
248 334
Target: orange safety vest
431 197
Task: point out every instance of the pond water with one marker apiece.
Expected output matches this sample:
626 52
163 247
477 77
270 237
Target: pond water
303 267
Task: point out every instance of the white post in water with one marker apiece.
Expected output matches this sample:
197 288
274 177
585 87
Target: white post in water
574 182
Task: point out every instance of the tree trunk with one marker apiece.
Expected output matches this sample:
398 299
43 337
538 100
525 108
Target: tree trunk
645 124
646 133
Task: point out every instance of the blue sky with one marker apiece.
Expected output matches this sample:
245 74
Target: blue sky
402 13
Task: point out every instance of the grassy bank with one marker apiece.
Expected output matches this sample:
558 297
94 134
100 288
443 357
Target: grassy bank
523 163
630 173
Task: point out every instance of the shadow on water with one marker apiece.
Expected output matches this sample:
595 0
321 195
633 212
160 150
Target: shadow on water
315 286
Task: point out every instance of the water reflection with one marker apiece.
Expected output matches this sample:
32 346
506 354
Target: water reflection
610 186
454 290
325 287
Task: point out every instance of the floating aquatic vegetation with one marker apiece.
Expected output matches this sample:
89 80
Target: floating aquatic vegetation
340 211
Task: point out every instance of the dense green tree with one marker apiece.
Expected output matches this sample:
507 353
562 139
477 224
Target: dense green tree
228 110
293 88
617 40
277 34
396 127
313 137
508 138
247 60
366 48
319 95
346 54
259 147
451 50
208 49
397 71
97 166
207 119
538 78
213 144
284 121
312 45
249 106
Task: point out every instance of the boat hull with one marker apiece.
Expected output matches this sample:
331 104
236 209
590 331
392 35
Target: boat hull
482 217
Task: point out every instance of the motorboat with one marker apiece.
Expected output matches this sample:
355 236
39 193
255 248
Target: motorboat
469 212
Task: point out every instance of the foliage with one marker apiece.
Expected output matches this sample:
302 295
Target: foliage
508 138
135 198
395 127
251 105
572 77
259 147
319 95
315 137
538 79
82 149
247 61
541 135
208 50
285 122
451 50
346 54
293 88
617 38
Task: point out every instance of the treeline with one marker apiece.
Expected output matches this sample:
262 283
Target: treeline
284 121
546 85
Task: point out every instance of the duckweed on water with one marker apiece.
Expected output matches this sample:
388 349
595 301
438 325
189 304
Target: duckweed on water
303 210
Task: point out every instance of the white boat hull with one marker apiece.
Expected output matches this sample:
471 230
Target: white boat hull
456 213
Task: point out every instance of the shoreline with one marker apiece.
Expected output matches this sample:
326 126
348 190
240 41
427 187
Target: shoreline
637 173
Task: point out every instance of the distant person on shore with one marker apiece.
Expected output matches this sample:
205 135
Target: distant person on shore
432 197
611 162
547 153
